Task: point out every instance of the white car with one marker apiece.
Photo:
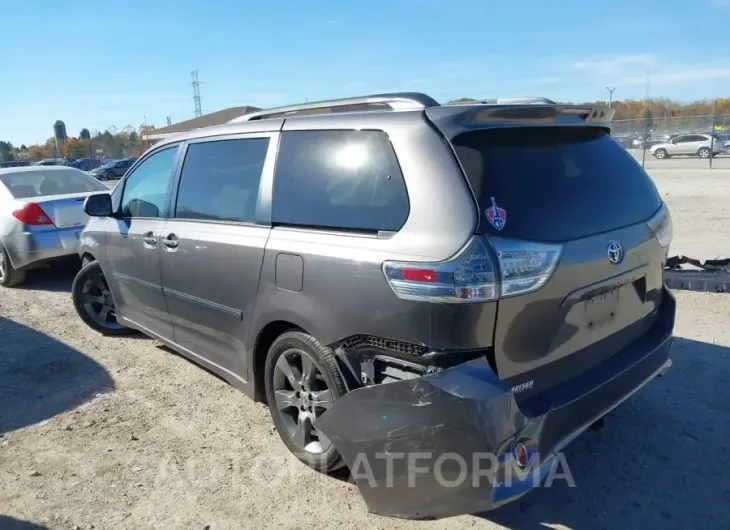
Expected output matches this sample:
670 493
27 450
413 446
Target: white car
41 216
688 145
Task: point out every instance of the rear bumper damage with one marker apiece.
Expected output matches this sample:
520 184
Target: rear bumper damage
712 276
28 248
451 442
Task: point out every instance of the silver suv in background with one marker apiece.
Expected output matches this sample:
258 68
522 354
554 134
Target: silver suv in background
700 145
394 276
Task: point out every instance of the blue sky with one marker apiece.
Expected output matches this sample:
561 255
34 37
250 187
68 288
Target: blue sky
98 64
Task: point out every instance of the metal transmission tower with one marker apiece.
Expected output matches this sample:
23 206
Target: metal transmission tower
196 94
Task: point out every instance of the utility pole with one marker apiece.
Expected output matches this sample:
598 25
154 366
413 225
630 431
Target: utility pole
712 134
610 95
647 116
196 93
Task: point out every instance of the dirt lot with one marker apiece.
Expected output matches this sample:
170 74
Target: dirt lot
121 433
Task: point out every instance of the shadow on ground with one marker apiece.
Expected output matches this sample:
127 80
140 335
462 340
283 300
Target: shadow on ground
11 523
658 462
56 277
41 377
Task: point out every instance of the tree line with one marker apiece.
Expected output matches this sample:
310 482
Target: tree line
111 143
635 109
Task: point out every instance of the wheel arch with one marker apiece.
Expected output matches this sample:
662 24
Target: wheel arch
264 339
87 257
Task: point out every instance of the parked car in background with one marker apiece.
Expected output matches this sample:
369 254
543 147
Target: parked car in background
649 141
112 170
383 281
41 216
724 140
88 164
14 163
49 162
624 140
700 145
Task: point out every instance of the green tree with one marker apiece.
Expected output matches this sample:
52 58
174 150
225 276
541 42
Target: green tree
85 134
6 152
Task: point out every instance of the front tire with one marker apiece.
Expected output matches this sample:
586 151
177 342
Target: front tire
661 154
9 276
94 302
302 381
704 152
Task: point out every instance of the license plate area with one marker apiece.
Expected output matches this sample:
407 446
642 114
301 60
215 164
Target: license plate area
601 309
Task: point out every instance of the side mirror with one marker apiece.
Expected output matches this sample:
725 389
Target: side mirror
99 205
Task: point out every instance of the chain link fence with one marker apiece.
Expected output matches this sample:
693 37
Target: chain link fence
681 142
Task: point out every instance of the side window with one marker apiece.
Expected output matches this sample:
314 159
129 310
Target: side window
682 139
146 189
220 180
339 179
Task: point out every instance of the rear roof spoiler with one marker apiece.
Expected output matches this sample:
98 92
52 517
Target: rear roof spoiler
454 119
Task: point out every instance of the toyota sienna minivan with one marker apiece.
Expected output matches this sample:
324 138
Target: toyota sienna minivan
396 277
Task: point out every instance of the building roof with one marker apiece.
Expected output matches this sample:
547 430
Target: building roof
214 118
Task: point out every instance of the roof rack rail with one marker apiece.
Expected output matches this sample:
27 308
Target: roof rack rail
396 101
520 101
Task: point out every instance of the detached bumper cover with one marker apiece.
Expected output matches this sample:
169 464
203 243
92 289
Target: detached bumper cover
444 444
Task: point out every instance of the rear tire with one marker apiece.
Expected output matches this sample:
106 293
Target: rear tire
94 303
661 154
704 152
9 276
303 375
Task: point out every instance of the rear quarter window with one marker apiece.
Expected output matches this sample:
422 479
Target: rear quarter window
554 183
339 180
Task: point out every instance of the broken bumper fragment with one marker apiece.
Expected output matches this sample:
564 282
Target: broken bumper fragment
458 441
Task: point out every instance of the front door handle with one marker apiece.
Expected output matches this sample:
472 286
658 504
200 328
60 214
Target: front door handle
170 241
149 239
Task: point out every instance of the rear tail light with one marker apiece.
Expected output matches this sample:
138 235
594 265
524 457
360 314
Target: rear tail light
479 273
32 214
662 226
471 276
525 266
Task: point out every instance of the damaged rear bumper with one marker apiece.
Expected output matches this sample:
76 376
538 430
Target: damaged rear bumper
448 443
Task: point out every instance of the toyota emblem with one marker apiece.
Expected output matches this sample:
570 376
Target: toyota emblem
615 252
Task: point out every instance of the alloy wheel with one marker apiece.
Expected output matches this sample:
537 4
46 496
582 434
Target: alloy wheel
302 395
96 299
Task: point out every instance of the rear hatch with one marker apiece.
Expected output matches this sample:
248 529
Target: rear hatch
573 191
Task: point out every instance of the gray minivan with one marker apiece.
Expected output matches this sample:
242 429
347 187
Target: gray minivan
393 276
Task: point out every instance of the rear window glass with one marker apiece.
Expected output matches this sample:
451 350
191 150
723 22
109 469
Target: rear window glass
340 180
23 185
554 183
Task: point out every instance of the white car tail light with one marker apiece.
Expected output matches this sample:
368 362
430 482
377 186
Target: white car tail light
479 273
662 226
31 214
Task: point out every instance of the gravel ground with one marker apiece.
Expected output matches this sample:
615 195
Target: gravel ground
121 433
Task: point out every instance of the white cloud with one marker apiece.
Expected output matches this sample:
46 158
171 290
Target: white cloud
679 77
615 64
